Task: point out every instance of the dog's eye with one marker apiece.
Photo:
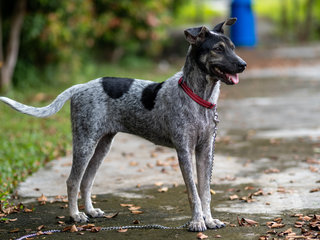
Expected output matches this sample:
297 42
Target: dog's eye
219 49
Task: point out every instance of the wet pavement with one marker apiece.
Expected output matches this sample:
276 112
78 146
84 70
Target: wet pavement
267 165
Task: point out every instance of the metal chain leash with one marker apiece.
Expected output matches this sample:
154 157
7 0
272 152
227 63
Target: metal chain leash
216 122
148 226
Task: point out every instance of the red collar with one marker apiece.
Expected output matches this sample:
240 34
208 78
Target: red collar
194 96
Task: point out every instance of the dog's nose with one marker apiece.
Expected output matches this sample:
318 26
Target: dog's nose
242 65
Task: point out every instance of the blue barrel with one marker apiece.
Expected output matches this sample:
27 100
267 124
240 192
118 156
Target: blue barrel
243 31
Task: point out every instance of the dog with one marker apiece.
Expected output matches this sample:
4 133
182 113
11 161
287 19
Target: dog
173 113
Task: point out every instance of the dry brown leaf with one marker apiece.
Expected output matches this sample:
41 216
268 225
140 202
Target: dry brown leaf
126 204
314 190
158 184
60 217
163 189
200 235
246 222
217 236
43 199
271 170
133 163
15 230
134 208
233 197
149 165
73 228
136 222
40 227
95 229
212 192
13 220
153 155
275 225
136 212
313 169
162 164
122 230
112 215
27 210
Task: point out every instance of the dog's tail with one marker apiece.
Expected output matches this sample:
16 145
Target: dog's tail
47 111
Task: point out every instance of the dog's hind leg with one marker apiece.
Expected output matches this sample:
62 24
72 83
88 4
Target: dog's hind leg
83 150
101 151
204 162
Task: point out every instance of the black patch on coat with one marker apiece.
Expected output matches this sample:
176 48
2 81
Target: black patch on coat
149 95
116 87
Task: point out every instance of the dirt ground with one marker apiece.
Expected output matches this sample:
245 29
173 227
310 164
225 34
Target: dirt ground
266 176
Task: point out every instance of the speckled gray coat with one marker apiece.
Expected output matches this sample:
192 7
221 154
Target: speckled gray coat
160 112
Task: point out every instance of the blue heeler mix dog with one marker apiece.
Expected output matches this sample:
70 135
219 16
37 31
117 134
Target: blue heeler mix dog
172 113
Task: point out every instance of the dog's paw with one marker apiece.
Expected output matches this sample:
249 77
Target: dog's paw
95 213
214 223
197 226
80 217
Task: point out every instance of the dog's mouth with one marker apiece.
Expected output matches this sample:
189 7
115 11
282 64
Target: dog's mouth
228 78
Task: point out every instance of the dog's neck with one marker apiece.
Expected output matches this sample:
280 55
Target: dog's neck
200 82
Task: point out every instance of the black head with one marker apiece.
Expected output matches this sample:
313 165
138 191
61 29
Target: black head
214 52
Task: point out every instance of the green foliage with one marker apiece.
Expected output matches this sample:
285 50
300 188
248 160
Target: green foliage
195 11
67 32
291 18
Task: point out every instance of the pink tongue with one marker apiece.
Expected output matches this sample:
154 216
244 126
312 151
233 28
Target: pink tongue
234 78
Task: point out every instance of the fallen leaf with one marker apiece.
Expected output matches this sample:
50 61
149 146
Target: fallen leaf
212 192
163 189
200 235
314 190
13 220
246 222
233 197
60 217
27 210
14 230
126 204
149 165
161 164
40 227
95 229
158 184
153 155
275 225
112 215
43 199
134 208
133 163
217 236
122 230
73 228
136 212
136 222
271 170
313 169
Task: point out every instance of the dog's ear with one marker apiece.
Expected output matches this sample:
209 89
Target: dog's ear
219 27
196 35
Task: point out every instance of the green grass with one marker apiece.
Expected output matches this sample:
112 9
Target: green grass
27 143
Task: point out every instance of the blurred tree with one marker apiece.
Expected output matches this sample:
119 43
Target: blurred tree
8 59
66 31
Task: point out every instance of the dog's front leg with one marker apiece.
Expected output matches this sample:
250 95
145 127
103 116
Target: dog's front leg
197 223
204 162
